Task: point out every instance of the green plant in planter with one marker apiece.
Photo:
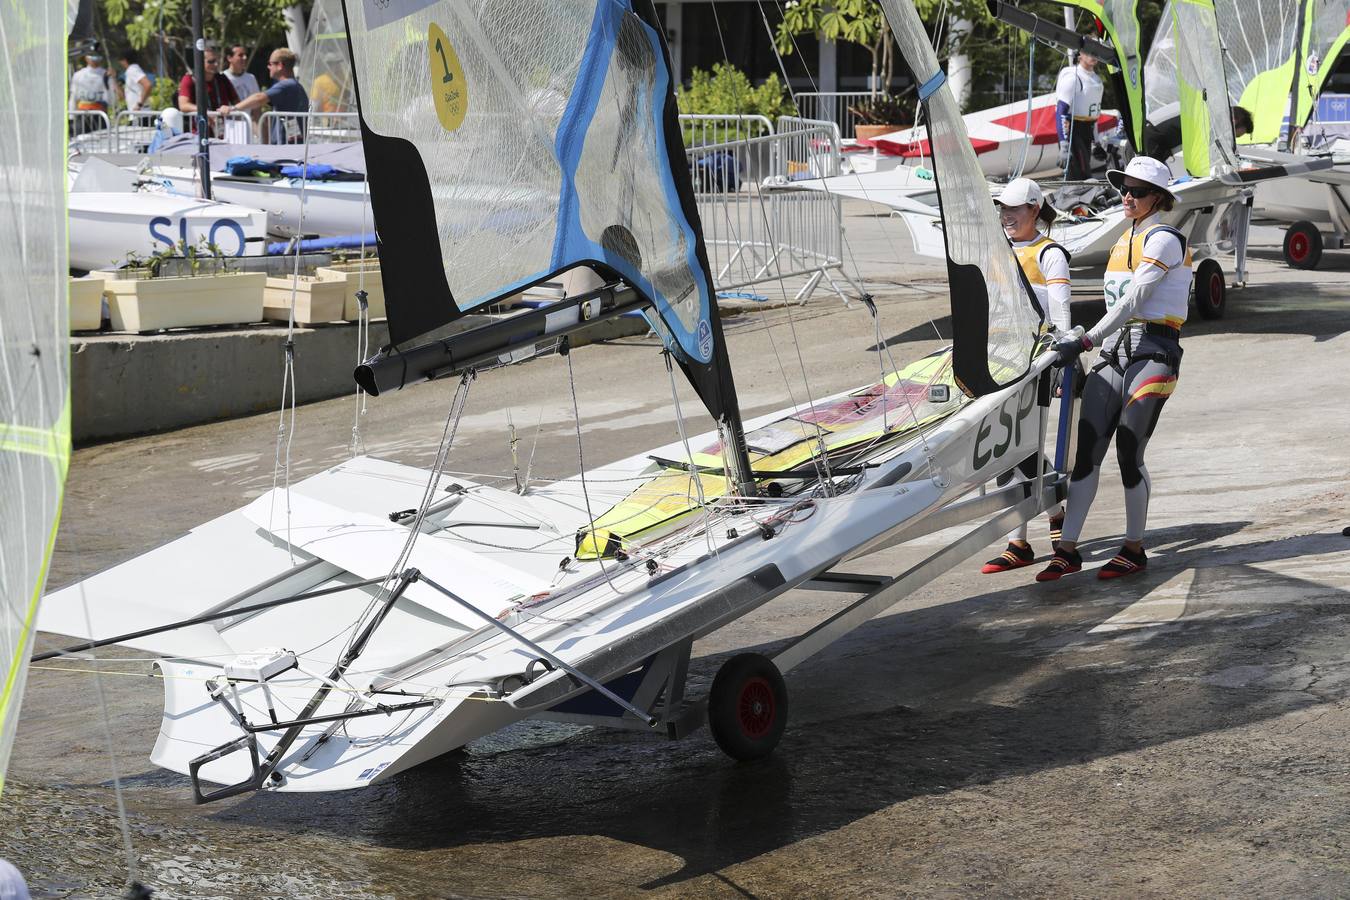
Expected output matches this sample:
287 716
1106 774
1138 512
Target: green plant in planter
883 109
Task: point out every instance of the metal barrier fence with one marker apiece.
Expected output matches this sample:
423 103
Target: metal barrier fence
317 127
831 106
758 235
91 129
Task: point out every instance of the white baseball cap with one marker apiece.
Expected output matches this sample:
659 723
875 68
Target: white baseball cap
1145 169
1019 192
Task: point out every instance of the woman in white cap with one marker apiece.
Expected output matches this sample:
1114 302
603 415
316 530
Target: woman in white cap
1147 285
1022 210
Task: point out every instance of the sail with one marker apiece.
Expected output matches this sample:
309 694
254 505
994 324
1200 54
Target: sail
325 68
1182 69
34 394
1120 21
1260 39
995 322
1325 32
509 141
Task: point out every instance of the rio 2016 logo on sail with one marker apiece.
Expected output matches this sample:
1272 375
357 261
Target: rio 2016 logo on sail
449 89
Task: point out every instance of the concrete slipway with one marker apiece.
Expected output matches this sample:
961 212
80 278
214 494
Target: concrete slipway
1180 734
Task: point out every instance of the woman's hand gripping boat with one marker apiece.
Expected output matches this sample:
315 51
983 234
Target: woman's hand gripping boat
376 616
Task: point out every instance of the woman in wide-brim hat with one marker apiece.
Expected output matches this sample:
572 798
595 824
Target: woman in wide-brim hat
1023 211
1147 287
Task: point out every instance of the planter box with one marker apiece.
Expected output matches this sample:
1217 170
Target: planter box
151 304
316 299
349 274
871 132
86 304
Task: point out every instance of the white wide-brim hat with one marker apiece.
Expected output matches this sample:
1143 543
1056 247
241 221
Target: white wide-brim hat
1145 169
1019 192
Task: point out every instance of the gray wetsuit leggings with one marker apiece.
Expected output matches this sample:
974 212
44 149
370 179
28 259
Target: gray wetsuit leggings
1124 396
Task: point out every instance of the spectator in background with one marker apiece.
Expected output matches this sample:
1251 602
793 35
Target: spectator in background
243 81
89 89
286 95
220 95
1078 103
137 89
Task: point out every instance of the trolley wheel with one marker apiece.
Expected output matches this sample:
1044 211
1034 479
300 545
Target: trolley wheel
748 706
1211 289
1303 245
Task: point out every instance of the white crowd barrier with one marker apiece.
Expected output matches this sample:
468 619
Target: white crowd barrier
757 235
316 127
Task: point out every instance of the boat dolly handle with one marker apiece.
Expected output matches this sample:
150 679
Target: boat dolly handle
252 783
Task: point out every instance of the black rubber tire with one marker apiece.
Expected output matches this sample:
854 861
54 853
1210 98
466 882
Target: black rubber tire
1210 289
1303 245
748 707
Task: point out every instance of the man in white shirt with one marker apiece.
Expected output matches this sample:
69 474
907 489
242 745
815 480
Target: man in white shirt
1078 103
244 81
137 88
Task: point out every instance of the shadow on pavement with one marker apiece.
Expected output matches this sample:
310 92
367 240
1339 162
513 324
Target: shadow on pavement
840 764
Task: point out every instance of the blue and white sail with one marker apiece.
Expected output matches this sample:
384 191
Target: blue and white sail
510 141
34 392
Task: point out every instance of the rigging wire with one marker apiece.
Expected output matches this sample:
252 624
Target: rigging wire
695 471
286 430
358 446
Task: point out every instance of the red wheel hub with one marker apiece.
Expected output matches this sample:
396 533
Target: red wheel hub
1215 290
755 710
1299 246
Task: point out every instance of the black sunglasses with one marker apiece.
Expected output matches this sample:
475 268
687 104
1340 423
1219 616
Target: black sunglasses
1137 190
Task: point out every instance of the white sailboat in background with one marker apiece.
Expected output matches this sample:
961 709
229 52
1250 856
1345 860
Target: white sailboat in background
449 611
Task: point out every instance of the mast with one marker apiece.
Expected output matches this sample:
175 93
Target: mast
199 77
1296 81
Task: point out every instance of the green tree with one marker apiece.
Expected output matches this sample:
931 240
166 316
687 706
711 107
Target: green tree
863 22
250 22
727 91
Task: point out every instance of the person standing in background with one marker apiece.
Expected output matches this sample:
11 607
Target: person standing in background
137 88
286 95
244 82
89 89
1078 103
220 95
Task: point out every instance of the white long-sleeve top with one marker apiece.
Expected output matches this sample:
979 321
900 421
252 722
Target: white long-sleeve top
1148 277
1046 265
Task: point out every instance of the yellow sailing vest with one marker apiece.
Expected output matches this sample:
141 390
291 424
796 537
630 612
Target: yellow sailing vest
1166 303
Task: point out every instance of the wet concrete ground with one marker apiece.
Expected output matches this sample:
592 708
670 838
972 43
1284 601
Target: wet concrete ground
1180 734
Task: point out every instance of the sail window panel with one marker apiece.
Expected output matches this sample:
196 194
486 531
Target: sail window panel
34 390
971 230
1260 39
1206 120
1160 70
1325 36
627 202
494 178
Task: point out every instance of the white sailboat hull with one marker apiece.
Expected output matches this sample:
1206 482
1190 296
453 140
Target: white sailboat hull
108 229
500 553
330 208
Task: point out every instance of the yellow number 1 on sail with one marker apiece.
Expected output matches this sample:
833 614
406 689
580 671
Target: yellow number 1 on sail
448 85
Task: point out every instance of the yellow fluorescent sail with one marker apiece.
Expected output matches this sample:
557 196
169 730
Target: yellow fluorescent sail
34 394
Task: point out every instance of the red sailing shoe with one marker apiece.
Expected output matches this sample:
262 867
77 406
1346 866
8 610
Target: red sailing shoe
1127 562
1014 557
1064 562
